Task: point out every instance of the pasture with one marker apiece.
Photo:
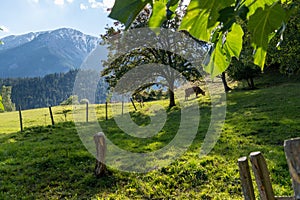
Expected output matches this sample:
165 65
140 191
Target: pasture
50 162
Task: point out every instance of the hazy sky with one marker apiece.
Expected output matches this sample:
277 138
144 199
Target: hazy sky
24 16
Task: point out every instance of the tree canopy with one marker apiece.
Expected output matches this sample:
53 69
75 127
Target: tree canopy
217 22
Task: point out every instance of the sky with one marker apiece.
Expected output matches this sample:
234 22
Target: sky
23 16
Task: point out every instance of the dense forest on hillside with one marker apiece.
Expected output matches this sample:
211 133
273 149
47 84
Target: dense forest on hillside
53 89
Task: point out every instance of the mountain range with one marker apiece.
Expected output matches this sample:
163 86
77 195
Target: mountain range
41 53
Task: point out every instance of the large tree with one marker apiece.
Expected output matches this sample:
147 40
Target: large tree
118 65
216 23
164 52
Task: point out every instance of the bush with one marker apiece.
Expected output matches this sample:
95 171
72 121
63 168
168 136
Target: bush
1 105
72 100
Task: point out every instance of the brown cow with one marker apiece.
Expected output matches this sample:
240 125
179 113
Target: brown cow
194 89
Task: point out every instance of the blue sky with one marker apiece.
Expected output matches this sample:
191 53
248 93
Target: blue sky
24 16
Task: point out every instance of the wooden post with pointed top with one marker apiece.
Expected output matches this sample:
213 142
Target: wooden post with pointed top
262 176
246 179
100 168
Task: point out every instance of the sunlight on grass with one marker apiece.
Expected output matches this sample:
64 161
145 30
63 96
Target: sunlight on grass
51 162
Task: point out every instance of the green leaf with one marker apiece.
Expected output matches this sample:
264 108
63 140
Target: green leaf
202 17
126 11
254 5
218 60
262 26
159 14
234 41
221 55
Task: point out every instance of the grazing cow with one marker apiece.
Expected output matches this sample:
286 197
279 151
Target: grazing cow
139 98
194 89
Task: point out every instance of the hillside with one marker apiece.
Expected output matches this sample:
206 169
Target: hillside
41 53
46 162
53 89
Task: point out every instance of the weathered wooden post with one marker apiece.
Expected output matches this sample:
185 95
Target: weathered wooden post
100 168
51 115
292 153
87 112
246 179
106 111
21 120
122 107
262 176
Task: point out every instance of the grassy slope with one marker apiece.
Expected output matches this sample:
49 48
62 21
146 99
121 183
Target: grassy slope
48 162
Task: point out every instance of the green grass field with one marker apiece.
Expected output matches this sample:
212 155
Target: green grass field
50 162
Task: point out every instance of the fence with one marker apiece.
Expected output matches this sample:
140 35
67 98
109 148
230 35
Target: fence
262 175
17 121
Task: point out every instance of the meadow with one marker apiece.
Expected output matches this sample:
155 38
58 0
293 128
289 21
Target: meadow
51 162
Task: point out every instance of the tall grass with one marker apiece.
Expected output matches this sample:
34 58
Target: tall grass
50 162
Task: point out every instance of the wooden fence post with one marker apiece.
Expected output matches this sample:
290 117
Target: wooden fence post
262 176
51 115
292 153
246 179
122 107
87 112
21 120
106 112
100 168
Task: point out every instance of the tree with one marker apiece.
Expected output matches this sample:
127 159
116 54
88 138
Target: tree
239 70
118 65
6 99
284 51
115 69
216 22
243 68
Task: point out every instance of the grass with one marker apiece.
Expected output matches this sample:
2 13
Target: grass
50 162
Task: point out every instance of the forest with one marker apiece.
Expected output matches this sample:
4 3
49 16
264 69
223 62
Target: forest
50 90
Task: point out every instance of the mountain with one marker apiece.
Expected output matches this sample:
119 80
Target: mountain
41 53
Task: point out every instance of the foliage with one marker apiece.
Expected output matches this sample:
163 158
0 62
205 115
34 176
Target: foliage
6 99
284 49
116 66
51 89
217 22
243 68
243 71
50 162
72 100
1 105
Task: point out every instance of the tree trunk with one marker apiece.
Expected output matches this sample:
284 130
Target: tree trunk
249 84
172 98
252 83
226 87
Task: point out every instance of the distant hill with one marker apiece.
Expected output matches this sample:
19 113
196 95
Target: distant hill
41 53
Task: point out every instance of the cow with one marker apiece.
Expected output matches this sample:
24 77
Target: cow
139 98
194 89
